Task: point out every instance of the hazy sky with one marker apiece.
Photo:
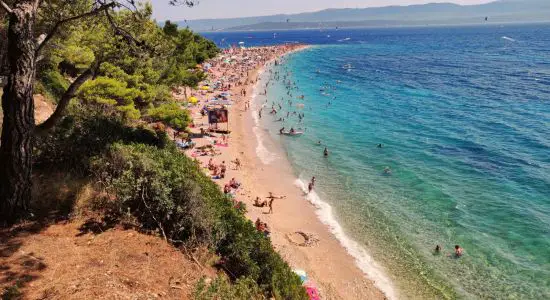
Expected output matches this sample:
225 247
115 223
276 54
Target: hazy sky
246 8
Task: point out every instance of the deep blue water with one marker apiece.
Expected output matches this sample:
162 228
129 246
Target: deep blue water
464 117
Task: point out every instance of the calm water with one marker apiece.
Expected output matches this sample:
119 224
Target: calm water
464 117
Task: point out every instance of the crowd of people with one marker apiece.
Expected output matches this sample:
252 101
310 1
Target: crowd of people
229 77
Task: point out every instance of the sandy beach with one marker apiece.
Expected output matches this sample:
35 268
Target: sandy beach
295 230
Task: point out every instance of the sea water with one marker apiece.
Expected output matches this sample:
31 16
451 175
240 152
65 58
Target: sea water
463 114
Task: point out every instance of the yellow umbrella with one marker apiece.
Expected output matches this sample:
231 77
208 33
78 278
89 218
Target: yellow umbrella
205 88
193 100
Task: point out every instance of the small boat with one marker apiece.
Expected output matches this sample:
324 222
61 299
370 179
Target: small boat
295 133
347 66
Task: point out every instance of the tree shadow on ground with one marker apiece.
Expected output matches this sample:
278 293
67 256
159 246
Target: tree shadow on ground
18 269
53 198
96 226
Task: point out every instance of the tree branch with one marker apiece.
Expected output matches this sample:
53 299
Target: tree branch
6 7
50 35
66 99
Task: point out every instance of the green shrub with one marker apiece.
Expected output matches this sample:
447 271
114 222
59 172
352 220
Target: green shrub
53 83
166 191
221 288
171 114
84 134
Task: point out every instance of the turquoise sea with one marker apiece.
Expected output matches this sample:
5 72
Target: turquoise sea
463 114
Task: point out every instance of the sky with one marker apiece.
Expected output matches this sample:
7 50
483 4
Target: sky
207 9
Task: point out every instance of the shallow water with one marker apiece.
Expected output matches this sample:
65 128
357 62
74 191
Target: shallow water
464 117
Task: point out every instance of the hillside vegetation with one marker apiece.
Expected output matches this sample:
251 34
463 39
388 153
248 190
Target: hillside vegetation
134 175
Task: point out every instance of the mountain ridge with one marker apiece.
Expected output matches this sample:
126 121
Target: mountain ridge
431 13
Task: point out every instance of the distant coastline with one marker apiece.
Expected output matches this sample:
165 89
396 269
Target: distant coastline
380 27
496 12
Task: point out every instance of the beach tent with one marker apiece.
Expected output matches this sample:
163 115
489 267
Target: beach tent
217 114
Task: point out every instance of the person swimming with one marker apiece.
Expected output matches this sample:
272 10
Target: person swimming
380 146
458 251
282 130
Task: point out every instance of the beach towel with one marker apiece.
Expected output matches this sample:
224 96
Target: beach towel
313 293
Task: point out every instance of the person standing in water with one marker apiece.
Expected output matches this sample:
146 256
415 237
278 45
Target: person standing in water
311 184
325 153
458 251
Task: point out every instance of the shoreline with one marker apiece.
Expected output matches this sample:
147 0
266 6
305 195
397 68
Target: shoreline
331 263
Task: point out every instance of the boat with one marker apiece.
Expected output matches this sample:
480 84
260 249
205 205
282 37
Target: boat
295 133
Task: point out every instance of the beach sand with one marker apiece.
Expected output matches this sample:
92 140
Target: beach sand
326 261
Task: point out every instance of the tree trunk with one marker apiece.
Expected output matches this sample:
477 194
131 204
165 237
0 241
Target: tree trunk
18 106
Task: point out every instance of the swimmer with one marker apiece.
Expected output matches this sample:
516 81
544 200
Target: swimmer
387 170
458 251
380 146
437 249
325 152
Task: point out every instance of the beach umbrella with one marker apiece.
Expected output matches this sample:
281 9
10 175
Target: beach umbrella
193 100
205 88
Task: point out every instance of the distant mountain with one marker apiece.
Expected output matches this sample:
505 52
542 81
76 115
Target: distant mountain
425 14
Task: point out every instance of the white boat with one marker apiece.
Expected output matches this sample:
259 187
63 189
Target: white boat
295 133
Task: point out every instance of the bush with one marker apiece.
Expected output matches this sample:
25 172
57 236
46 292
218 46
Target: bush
85 134
171 114
221 288
166 191
52 83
